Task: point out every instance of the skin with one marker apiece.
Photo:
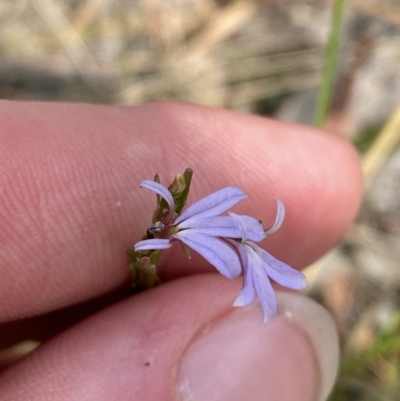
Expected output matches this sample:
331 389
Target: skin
71 206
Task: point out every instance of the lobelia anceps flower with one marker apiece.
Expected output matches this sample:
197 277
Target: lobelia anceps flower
259 267
226 241
201 227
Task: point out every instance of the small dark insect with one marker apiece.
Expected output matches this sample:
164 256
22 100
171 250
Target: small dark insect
156 227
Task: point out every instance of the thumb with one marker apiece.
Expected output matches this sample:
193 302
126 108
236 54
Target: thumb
183 341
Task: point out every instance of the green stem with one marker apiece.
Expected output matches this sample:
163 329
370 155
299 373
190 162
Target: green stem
328 75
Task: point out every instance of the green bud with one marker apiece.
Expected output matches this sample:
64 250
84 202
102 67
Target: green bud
178 185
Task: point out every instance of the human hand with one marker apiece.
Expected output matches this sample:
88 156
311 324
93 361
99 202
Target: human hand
70 207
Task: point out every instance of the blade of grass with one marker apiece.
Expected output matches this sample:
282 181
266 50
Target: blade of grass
381 149
328 74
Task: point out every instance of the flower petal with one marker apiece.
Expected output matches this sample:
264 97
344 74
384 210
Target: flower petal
218 253
247 294
280 216
255 231
163 192
225 226
213 204
152 244
262 285
242 227
280 272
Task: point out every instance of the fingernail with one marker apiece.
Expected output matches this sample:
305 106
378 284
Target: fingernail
319 326
237 357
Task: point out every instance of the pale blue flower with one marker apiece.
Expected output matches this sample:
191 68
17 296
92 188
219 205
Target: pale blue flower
227 242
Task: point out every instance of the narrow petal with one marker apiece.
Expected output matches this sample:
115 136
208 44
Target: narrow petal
262 285
213 204
280 272
280 216
255 231
152 244
242 227
163 192
247 294
218 253
225 226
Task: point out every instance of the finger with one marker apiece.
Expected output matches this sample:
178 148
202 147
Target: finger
71 205
172 343
42 327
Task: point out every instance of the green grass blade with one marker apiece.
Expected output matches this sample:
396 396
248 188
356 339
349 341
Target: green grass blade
328 75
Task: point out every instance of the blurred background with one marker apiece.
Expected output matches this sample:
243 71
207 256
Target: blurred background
264 57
